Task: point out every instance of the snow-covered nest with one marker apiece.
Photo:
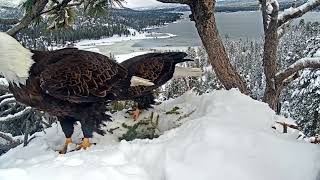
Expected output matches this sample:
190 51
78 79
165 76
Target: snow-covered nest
228 137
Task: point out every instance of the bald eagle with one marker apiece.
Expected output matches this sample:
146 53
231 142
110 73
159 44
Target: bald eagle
76 85
72 84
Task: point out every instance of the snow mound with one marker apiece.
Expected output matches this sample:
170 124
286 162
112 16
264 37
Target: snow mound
229 137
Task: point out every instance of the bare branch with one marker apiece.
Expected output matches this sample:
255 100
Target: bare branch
293 13
297 66
282 29
288 80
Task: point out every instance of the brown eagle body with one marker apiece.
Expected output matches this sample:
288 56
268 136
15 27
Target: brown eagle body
62 81
75 85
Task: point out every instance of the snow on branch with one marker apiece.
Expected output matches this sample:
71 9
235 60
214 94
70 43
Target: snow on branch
12 143
6 96
17 115
293 13
313 62
6 137
7 101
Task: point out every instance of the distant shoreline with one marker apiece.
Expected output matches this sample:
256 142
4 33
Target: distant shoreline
245 6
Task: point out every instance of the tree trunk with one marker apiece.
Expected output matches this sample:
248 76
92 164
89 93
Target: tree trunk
203 15
273 90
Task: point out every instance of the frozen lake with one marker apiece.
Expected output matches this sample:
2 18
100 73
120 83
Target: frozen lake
234 25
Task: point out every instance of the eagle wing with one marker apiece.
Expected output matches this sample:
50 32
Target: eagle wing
82 77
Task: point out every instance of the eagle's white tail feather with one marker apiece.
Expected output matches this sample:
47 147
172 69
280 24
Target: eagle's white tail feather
15 60
187 72
138 81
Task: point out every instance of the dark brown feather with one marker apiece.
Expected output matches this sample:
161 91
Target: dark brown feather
157 67
71 83
81 76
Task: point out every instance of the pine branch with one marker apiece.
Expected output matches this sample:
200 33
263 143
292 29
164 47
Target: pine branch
8 110
15 116
35 11
12 143
62 5
6 96
293 13
4 88
6 137
7 101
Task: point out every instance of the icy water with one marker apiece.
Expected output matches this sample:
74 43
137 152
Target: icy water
235 25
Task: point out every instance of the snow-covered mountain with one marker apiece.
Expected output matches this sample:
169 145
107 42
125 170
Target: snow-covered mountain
228 136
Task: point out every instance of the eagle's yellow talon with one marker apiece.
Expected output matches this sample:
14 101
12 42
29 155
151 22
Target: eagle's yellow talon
84 145
135 114
65 147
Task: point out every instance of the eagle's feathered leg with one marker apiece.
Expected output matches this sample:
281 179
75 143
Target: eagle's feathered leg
87 130
67 128
143 103
93 123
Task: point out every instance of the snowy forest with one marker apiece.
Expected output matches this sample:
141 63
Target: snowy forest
264 92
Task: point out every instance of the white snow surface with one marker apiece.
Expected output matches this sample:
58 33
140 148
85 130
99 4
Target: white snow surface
317 53
228 137
4 82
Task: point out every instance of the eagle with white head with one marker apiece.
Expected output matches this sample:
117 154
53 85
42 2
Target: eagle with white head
75 85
